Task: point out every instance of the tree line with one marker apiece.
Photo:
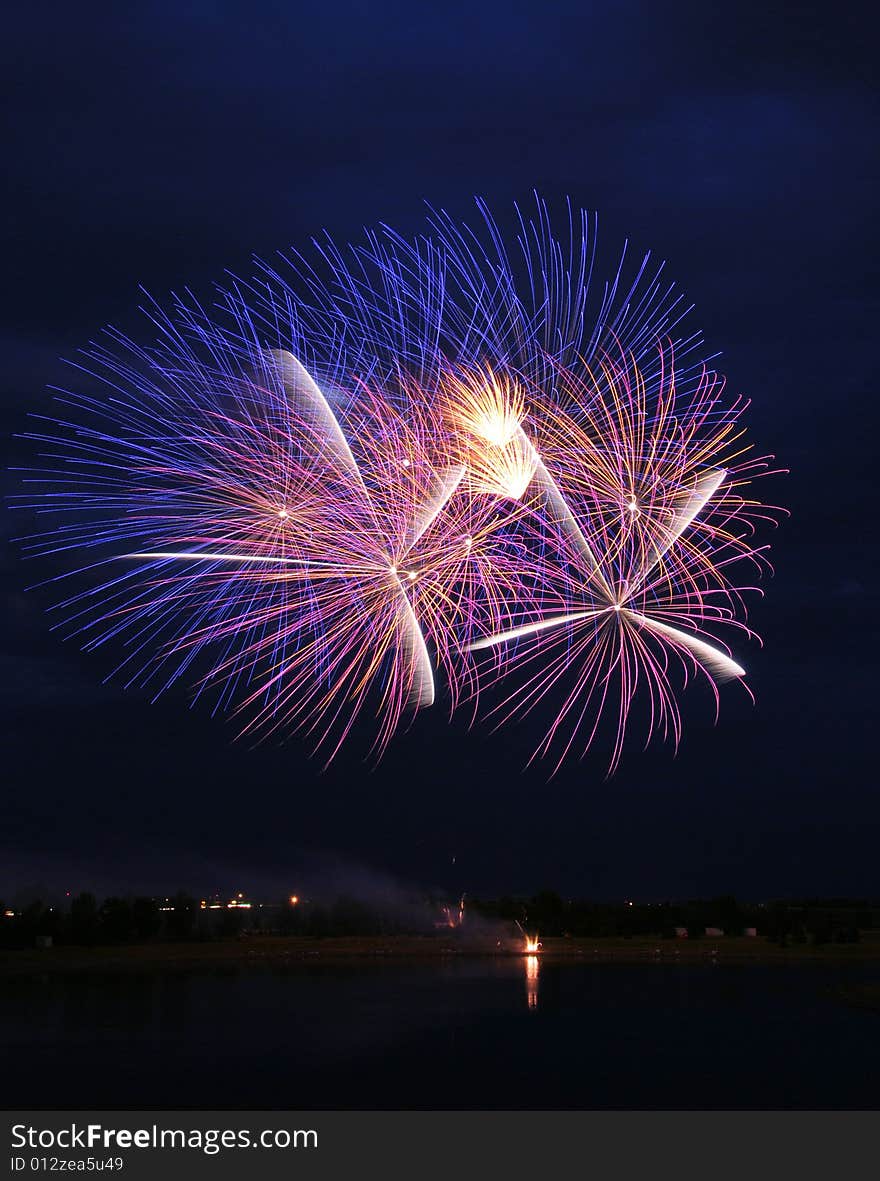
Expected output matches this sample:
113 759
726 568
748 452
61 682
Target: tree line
785 921
86 921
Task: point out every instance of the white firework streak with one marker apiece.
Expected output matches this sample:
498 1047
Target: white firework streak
696 500
534 472
305 395
207 556
414 640
447 484
531 629
564 515
722 667
717 662
310 402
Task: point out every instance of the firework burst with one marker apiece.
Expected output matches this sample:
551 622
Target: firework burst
362 483
652 478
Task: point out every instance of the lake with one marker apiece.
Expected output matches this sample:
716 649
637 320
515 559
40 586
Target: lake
457 1033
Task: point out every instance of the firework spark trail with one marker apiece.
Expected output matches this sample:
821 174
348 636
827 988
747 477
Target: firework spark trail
417 462
306 398
359 619
718 663
400 563
637 481
315 414
488 415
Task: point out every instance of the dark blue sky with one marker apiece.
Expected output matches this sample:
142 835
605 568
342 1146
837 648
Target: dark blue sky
160 144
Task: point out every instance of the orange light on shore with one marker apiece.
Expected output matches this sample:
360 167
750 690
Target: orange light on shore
533 945
294 899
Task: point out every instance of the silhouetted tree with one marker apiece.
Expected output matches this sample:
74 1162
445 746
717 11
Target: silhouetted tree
317 921
181 919
84 922
37 919
146 919
117 923
546 911
349 916
231 921
728 915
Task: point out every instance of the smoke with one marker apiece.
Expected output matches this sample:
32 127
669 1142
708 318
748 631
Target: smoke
319 879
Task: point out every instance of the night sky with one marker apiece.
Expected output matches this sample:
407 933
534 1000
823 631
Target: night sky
161 144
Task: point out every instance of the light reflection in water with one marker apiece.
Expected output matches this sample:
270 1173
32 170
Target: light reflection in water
532 980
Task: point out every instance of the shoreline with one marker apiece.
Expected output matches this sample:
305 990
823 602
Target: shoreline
306 951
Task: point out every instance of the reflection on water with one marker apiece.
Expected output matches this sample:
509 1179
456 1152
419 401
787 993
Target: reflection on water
454 1032
532 970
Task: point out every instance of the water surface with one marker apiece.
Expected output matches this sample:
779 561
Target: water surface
463 1033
